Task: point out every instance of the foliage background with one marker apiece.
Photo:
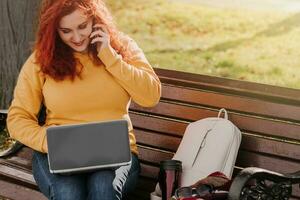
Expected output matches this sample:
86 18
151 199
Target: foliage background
259 46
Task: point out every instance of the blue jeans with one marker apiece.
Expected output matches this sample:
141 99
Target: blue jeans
105 184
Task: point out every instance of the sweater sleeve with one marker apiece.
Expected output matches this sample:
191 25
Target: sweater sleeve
137 76
22 121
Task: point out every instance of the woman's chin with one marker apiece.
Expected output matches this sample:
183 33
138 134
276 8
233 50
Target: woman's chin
80 50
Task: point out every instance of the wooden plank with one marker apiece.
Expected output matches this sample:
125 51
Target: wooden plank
251 89
4 198
271 147
25 153
231 102
18 192
266 127
296 192
20 162
153 156
252 159
159 125
149 171
244 122
21 175
157 140
249 143
17 176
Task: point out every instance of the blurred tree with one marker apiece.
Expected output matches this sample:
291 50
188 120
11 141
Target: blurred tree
18 19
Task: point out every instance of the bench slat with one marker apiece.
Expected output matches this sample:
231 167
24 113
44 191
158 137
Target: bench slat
271 147
157 140
231 102
251 159
17 175
153 156
149 171
244 122
164 126
249 142
224 85
18 192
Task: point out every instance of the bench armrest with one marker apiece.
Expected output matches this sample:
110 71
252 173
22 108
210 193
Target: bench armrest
257 183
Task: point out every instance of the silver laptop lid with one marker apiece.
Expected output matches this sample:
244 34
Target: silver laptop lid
88 146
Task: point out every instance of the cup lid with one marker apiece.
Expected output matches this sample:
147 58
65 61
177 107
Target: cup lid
171 164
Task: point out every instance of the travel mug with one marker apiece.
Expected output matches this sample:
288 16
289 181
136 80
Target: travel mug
169 177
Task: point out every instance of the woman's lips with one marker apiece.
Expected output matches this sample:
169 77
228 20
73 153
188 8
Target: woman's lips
78 44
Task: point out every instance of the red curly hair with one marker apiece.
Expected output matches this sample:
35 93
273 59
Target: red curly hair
52 54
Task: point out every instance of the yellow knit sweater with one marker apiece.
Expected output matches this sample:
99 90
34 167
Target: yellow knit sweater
102 93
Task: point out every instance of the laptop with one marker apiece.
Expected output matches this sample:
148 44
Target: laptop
88 146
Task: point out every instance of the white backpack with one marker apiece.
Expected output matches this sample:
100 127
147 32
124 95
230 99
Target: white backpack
208 145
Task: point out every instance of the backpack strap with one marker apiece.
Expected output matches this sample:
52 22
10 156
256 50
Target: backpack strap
225 113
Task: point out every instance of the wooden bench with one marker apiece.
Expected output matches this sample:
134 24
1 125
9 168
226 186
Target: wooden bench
268 116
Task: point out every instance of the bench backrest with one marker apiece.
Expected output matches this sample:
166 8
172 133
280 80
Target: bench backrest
268 116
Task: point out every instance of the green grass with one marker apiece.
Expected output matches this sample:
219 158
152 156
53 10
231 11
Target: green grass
247 45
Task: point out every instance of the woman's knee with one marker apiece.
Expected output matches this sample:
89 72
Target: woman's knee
101 178
56 187
100 185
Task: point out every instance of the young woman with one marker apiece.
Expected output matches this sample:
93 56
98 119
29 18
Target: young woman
82 69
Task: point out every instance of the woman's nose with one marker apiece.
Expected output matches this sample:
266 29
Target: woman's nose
76 37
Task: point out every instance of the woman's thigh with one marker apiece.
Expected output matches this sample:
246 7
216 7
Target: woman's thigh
55 186
100 185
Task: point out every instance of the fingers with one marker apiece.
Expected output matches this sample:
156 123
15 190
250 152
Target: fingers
98 39
101 27
97 33
100 35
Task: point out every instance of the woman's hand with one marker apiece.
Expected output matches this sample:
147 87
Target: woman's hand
100 36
